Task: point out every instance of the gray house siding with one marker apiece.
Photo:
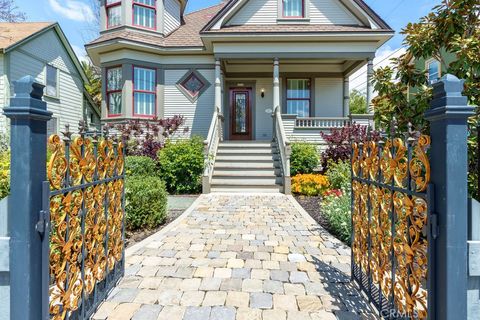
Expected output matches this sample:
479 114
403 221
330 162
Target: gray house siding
31 58
3 89
269 11
198 114
172 16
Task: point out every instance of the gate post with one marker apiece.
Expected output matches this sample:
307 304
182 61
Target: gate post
29 116
448 116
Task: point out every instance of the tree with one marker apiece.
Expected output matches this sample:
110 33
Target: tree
453 27
94 88
358 102
9 12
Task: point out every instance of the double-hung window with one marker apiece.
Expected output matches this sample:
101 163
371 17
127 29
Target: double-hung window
144 13
434 72
293 8
299 97
51 88
144 91
114 91
114 13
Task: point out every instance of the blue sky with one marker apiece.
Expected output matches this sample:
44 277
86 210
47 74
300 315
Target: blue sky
75 16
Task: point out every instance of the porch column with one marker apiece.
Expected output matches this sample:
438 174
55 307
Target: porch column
346 96
370 86
276 84
218 85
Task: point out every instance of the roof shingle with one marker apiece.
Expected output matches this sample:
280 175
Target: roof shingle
290 28
13 33
187 35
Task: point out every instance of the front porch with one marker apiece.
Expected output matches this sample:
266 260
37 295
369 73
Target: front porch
311 94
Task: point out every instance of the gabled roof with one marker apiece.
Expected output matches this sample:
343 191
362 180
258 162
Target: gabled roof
237 4
199 23
15 34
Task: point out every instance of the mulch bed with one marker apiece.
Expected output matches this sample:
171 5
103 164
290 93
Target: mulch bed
133 237
312 206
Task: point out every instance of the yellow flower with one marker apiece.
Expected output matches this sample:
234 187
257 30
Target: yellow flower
310 184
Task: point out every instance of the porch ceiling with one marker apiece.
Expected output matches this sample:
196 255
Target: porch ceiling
264 67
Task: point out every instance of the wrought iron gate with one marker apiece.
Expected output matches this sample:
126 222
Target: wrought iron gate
82 222
392 240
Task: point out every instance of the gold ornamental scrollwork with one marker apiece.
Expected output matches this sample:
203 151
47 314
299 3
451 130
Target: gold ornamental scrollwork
57 165
86 213
420 164
390 213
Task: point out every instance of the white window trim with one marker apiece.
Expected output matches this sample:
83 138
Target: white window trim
57 82
427 68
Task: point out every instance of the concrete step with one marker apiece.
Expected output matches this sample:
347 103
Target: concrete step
243 144
247 189
246 172
252 165
240 151
245 158
246 181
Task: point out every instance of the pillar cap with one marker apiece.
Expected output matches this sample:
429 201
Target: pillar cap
448 100
27 102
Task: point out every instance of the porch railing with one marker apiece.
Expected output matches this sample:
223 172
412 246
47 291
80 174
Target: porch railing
215 135
283 145
333 122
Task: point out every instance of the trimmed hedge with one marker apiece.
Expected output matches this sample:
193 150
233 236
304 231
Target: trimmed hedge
146 202
182 165
140 166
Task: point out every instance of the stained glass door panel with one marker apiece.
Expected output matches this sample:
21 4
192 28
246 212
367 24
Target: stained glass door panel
240 114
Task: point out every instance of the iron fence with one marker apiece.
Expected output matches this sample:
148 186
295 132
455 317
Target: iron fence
82 222
392 242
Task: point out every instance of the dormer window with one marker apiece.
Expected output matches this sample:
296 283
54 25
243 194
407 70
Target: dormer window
114 13
293 8
144 13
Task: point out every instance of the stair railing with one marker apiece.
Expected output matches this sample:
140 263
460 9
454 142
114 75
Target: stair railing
284 148
215 135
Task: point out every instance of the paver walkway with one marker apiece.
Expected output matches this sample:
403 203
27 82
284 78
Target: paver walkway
241 257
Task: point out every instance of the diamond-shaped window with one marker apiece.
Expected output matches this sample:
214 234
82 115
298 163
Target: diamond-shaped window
192 85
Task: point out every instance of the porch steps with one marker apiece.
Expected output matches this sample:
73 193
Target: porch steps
247 166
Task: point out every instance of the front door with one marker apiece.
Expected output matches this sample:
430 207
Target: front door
240 114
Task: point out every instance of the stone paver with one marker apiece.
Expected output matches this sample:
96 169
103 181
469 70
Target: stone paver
238 257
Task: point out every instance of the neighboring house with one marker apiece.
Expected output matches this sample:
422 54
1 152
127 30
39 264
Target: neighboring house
434 68
41 50
245 57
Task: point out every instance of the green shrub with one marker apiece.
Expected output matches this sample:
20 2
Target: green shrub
140 166
304 158
181 165
146 202
339 174
4 174
337 211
